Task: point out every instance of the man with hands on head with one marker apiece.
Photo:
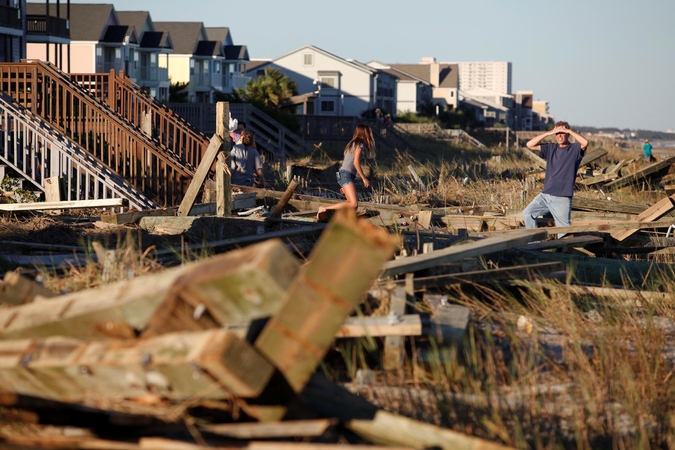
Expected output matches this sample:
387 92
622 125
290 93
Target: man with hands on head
562 162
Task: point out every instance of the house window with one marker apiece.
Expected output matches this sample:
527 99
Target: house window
327 106
308 59
259 73
328 82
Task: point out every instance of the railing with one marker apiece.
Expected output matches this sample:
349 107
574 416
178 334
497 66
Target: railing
270 135
10 17
133 103
239 81
47 26
36 151
157 172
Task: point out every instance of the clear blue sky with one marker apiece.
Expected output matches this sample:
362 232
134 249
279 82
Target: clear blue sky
597 62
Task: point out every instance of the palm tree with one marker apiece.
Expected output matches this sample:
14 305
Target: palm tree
269 89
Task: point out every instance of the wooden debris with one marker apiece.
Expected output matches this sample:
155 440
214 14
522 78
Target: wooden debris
237 286
257 430
18 290
315 305
457 252
651 214
394 346
290 190
68 204
640 174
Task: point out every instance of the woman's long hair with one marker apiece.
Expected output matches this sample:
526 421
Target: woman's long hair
362 135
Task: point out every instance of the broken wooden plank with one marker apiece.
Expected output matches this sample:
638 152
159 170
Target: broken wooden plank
488 276
593 156
18 290
457 252
212 364
576 241
407 325
654 212
200 175
68 204
541 162
640 174
599 179
606 205
290 190
237 286
341 268
258 430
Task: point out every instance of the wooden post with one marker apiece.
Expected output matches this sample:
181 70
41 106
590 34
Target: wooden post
223 176
394 346
200 176
53 191
342 266
278 209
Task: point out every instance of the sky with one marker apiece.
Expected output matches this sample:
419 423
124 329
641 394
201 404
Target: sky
600 63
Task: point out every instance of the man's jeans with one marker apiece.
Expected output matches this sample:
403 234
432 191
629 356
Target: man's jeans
559 207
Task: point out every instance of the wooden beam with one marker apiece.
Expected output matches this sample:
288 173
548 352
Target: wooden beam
200 175
534 157
654 212
456 252
212 364
642 173
606 205
593 156
223 176
237 286
394 346
290 190
408 325
576 241
341 268
488 276
258 430
69 204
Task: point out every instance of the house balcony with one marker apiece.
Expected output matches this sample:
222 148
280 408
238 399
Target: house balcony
239 81
10 20
153 76
47 29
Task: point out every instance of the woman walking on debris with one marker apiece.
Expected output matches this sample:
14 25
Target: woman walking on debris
362 142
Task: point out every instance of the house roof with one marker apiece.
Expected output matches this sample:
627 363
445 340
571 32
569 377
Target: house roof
236 53
259 64
218 34
351 62
87 20
115 34
185 35
136 19
448 74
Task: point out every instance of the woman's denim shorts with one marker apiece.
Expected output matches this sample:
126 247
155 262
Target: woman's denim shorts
344 177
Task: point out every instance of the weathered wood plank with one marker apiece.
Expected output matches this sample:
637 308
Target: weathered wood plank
342 266
68 204
212 364
456 252
487 276
394 346
258 430
200 175
606 205
640 174
576 241
223 176
290 190
408 325
237 286
654 212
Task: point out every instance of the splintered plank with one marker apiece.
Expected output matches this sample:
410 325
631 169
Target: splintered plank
237 286
258 430
640 174
654 212
200 175
212 364
462 251
343 264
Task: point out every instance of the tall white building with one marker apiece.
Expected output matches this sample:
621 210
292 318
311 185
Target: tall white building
492 75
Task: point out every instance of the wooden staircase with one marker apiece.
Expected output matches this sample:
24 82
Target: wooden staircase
158 164
37 151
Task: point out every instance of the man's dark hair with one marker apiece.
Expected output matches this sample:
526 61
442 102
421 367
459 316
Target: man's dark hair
242 123
557 124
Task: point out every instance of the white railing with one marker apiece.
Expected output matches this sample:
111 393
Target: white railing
37 151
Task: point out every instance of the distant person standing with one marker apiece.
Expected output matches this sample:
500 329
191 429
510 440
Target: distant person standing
562 162
245 163
647 151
